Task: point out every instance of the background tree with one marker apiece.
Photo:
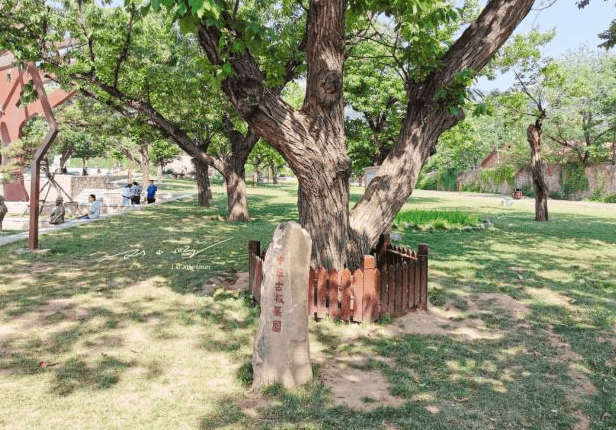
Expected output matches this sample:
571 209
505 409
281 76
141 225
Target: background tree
162 152
140 64
582 103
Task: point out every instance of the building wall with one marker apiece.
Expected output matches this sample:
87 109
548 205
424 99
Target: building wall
601 177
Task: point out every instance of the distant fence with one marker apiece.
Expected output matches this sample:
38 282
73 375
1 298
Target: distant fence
393 281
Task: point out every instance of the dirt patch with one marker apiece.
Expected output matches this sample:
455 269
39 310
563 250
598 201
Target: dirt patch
356 388
227 281
241 282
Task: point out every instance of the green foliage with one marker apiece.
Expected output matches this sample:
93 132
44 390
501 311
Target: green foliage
504 173
163 151
445 179
603 199
573 179
449 218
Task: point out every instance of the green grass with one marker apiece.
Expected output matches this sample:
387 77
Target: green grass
436 218
134 333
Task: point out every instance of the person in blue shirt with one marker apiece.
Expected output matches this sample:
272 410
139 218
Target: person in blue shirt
151 192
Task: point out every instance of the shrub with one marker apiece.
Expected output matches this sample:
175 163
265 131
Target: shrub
499 175
573 179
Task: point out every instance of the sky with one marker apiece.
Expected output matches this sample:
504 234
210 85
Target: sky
575 29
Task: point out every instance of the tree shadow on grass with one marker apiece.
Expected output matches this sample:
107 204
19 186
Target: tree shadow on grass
449 383
76 374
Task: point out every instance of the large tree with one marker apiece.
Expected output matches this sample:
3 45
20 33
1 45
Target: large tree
246 52
312 139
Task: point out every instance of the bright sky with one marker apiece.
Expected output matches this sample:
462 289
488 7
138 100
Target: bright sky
575 28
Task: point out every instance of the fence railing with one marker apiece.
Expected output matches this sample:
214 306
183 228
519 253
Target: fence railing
394 282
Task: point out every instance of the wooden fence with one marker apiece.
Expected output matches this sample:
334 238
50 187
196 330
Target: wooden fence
394 281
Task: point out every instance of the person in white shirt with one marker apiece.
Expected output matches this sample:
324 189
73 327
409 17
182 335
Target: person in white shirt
127 195
95 209
136 188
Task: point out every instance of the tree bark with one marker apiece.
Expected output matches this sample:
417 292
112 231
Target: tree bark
235 174
204 192
159 173
144 163
65 156
533 135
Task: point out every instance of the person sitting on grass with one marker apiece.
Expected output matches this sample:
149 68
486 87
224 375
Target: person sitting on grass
95 209
3 210
57 214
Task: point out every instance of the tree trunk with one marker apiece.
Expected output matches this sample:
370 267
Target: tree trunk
395 180
144 163
312 139
204 191
533 135
159 172
235 173
65 156
237 205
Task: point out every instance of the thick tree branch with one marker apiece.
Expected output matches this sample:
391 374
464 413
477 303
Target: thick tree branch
426 118
482 38
125 49
157 120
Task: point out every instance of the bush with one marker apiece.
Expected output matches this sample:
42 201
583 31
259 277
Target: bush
446 179
499 175
603 199
427 181
573 179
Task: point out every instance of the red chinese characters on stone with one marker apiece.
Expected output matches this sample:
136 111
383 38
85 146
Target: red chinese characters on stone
277 324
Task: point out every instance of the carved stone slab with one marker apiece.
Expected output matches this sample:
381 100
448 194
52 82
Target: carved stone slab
281 353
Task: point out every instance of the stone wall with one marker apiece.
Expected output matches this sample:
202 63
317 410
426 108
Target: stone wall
74 184
601 177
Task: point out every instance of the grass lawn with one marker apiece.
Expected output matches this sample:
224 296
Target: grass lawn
123 324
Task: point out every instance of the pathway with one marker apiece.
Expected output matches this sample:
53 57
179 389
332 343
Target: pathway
4 240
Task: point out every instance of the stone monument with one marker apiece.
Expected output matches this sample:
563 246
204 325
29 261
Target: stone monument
3 210
57 214
281 352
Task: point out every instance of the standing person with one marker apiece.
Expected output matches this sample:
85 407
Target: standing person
95 209
3 210
127 195
136 196
151 192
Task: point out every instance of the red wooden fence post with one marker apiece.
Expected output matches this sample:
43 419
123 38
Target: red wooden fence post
334 295
322 282
422 253
405 287
371 293
358 294
345 288
312 293
253 250
384 293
